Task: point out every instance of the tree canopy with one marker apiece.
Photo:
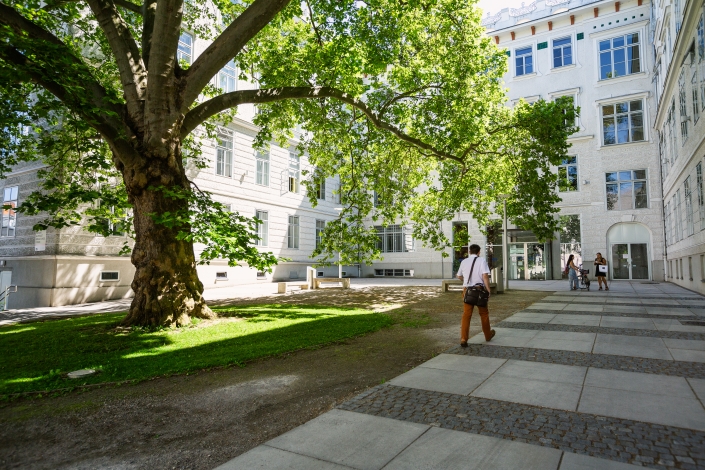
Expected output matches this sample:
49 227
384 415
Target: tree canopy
403 100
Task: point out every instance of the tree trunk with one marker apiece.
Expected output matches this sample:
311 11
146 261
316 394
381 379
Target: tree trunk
166 285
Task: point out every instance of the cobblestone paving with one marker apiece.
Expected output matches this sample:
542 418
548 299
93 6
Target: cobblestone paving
603 330
623 440
695 370
616 314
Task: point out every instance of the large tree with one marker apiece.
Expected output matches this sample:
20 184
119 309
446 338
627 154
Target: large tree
402 99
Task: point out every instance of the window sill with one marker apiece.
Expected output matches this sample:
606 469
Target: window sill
626 144
525 76
624 78
563 68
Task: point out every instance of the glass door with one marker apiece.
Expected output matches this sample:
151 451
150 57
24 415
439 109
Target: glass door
535 261
630 261
517 268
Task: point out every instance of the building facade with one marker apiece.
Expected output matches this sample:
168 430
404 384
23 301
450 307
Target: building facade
678 31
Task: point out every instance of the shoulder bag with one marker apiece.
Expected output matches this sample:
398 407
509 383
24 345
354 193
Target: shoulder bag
476 295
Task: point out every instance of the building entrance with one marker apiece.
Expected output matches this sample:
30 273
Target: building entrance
527 261
630 251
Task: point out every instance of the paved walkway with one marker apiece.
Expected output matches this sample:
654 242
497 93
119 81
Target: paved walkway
581 380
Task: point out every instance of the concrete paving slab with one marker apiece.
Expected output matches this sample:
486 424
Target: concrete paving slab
531 317
354 439
575 307
699 388
638 382
440 380
560 344
675 325
543 371
561 396
269 458
636 346
688 355
658 302
626 322
659 409
450 450
571 319
515 337
624 309
547 306
572 461
694 303
667 311
672 343
474 364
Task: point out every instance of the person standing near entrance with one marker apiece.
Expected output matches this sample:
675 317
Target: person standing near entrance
601 277
480 275
572 270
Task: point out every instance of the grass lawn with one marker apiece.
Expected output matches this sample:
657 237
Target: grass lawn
36 356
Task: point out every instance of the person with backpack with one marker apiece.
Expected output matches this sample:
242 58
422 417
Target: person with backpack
474 272
572 270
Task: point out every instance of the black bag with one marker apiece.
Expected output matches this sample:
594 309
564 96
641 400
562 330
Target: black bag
476 295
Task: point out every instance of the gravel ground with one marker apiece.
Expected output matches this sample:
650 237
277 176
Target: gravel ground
202 420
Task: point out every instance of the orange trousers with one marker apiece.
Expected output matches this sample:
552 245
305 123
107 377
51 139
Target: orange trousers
465 323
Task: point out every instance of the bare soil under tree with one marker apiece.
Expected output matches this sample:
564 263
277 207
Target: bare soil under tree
202 420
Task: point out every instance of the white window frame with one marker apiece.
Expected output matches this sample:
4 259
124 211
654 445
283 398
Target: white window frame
228 76
262 168
632 180
320 227
262 227
571 45
622 99
9 216
294 179
109 280
532 47
565 166
575 94
223 153
181 52
612 50
293 232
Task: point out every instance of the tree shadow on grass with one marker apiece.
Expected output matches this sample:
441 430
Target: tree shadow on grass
37 357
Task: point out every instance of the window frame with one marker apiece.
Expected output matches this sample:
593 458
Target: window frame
227 162
226 72
293 232
619 183
562 47
294 178
9 216
262 227
612 49
517 56
398 235
180 53
566 165
262 167
617 114
320 227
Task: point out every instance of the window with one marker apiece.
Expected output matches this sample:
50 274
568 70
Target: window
694 97
663 151
262 171
677 14
227 78
619 56
701 36
701 195
221 276
688 206
562 52
679 219
394 239
622 122
568 174
110 275
524 61
294 174
626 190
667 222
671 121
338 194
320 227
224 155
322 189
9 216
690 267
394 272
683 107
184 52
293 232
262 228
572 100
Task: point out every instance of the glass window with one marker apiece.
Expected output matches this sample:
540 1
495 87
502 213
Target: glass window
677 14
694 97
320 227
262 170
9 216
701 196
393 239
227 78
688 206
524 61
293 232
683 106
701 36
294 173
262 228
185 50
626 190
322 189
622 122
224 155
619 56
679 219
562 52
568 174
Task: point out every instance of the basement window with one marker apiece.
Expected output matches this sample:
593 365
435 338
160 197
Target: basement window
222 276
110 275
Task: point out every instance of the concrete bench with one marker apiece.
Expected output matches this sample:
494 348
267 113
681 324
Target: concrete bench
317 281
446 283
282 286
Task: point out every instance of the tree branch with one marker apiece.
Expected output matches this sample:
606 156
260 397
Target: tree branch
230 100
133 74
149 11
227 46
129 6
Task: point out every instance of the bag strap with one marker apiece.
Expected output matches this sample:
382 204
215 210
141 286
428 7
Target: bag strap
471 269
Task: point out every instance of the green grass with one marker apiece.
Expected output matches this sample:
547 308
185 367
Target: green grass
36 356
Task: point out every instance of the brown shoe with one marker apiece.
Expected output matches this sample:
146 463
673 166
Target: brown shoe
463 344
492 333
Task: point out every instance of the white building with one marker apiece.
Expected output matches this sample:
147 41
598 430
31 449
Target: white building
599 53
679 47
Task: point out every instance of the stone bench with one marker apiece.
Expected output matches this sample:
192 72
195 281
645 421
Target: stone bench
317 281
283 286
446 283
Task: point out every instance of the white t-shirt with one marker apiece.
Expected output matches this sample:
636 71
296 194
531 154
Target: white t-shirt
481 267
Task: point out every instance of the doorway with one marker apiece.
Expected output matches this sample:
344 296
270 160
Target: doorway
5 282
630 261
527 261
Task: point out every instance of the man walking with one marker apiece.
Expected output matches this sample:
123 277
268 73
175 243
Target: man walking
480 275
